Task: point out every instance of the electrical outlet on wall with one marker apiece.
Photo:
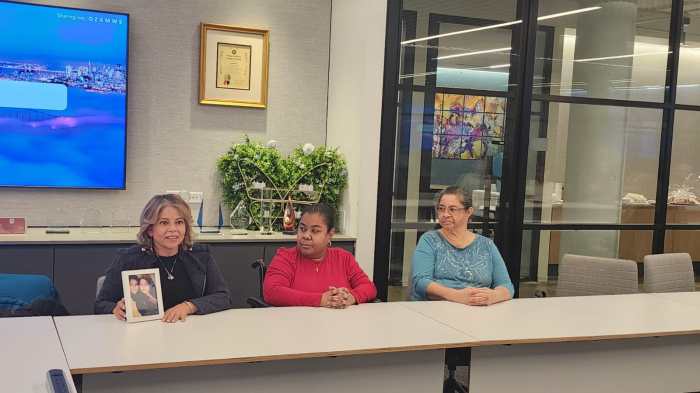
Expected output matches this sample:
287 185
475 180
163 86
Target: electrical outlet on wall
184 194
196 196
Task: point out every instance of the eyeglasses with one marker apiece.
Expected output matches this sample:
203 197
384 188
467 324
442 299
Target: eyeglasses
451 209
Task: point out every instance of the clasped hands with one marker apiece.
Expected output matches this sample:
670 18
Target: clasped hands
337 298
178 312
477 296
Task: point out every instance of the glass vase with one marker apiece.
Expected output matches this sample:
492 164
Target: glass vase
239 219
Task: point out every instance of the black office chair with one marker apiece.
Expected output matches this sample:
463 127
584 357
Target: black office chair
456 357
258 302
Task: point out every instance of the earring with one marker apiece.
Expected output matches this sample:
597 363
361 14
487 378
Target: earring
330 243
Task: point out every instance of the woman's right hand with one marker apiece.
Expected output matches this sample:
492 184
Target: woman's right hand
119 310
477 296
332 298
468 296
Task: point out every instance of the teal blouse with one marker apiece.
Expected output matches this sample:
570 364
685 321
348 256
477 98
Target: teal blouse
477 265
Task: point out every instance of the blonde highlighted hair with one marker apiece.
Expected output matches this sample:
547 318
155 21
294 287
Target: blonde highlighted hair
151 212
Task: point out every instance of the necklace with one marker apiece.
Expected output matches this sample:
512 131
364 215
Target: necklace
172 268
317 262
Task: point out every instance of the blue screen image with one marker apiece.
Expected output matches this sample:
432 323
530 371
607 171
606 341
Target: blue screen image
63 89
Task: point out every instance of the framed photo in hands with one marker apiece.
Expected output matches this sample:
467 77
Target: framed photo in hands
143 296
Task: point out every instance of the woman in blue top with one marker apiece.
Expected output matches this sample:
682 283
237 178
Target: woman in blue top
455 264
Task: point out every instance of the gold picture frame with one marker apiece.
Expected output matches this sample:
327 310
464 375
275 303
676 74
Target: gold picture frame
233 66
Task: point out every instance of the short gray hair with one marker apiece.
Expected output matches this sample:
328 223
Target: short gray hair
463 195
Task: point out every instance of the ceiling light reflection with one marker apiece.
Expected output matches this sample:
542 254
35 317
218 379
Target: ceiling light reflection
479 52
499 25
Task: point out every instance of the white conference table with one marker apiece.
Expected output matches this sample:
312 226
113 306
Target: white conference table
395 348
554 319
30 348
621 343
635 343
687 298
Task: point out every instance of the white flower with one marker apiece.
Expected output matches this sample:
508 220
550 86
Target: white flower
308 148
272 143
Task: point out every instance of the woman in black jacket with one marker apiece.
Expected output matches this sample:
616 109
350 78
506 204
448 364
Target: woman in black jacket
190 279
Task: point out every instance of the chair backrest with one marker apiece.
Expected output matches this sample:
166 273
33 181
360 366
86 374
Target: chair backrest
100 281
258 302
581 275
30 293
668 273
261 268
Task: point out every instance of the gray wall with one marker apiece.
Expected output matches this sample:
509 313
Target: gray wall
173 141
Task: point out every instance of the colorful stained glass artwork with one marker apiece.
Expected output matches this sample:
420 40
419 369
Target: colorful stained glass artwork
474 149
438 101
453 103
439 124
495 105
474 121
459 147
436 146
494 124
454 124
465 125
474 104
453 145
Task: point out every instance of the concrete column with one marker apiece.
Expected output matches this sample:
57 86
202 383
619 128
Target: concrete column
354 113
596 135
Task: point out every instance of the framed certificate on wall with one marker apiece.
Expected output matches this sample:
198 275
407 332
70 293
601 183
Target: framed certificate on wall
233 66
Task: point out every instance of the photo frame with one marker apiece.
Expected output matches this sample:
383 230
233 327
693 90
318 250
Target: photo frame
143 296
233 66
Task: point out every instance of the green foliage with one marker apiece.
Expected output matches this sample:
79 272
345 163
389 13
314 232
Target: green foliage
323 168
250 162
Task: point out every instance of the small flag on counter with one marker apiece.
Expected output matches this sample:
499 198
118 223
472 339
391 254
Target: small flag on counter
200 219
221 217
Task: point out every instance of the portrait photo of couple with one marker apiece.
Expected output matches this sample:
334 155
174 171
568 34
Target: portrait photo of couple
142 295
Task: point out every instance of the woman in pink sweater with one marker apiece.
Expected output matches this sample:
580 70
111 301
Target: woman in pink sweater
313 273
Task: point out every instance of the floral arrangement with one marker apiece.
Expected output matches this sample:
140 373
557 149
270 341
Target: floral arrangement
252 162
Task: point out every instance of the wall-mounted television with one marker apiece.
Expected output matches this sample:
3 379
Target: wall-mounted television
63 95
